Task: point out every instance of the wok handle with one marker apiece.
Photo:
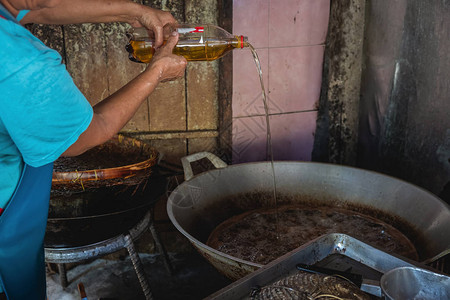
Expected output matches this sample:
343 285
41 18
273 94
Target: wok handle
187 160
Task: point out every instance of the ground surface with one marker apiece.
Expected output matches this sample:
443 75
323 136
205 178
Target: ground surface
105 279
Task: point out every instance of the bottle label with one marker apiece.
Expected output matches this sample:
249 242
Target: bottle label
190 30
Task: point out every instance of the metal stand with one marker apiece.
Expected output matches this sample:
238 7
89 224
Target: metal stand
161 248
137 264
62 275
60 256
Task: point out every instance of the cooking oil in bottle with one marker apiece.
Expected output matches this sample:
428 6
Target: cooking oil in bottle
195 43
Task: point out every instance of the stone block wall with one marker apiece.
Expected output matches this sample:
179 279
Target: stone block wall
181 117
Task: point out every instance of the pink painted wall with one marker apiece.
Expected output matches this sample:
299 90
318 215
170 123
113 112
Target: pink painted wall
289 36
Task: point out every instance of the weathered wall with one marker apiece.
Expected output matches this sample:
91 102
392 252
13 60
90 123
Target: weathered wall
405 105
394 116
289 38
181 116
337 124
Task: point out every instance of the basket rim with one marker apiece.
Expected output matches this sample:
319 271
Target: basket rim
109 173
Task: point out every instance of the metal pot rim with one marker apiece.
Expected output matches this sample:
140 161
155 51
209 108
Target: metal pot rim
353 170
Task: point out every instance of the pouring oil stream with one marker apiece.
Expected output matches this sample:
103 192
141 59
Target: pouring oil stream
269 136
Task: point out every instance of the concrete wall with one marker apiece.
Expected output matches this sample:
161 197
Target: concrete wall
405 102
179 118
385 99
337 127
289 37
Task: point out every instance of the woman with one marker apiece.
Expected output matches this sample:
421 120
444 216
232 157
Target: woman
43 116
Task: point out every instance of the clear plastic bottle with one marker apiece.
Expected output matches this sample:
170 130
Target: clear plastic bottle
196 42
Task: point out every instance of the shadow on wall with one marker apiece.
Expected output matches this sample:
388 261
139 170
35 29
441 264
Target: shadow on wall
404 116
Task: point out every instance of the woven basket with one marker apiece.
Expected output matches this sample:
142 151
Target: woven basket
129 167
102 193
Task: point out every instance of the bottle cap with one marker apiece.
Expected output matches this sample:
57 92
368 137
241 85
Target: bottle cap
242 40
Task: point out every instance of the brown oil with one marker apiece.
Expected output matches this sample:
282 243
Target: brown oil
250 235
211 49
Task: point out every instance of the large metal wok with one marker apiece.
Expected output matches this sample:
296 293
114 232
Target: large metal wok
204 201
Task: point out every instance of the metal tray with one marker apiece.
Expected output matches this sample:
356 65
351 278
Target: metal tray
333 251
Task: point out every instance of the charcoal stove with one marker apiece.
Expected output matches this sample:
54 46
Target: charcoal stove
111 232
333 252
100 210
62 256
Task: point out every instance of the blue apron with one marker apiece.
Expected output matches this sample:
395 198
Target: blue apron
22 230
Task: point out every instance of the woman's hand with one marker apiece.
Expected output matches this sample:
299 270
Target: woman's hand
168 65
155 21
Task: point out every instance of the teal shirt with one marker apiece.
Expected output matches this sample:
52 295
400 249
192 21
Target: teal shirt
42 112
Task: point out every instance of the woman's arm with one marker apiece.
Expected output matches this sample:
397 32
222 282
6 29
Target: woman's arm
111 114
102 11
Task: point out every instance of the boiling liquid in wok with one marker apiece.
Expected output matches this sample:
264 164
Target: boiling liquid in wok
258 237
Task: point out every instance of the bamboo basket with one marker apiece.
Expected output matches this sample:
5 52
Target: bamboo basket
70 173
102 193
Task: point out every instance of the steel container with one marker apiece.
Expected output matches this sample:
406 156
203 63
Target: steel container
204 201
414 283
